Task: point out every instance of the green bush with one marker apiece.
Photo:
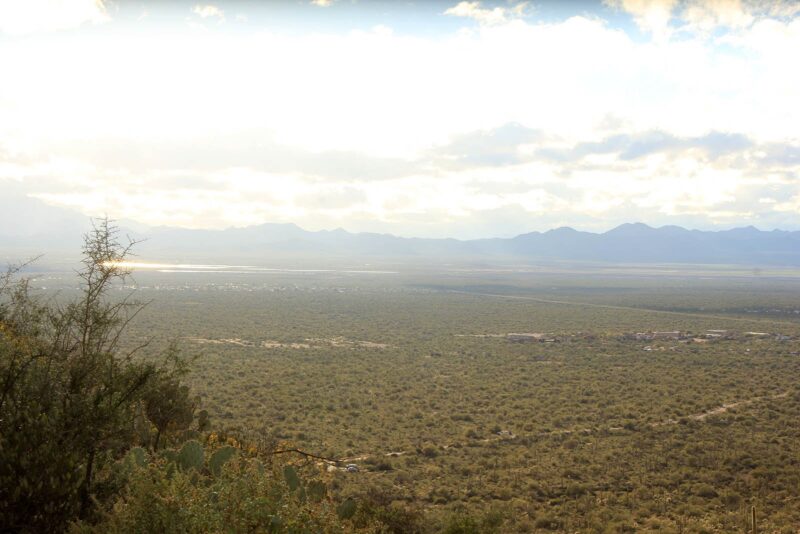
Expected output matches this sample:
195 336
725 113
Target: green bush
242 498
71 402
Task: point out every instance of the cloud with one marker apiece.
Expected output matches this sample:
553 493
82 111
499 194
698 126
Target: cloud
662 18
706 15
521 125
333 198
322 3
684 188
253 149
514 144
487 16
713 144
493 147
780 155
633 146
652 16
477 178
21 17
780 8
208 11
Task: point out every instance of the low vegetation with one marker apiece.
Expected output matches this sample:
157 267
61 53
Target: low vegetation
398 404
96 438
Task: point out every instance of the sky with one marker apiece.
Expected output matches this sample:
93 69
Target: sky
452 118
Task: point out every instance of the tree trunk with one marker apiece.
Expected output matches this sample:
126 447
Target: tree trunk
158 437
87 483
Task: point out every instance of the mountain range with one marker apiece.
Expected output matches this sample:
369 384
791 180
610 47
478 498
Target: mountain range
29 227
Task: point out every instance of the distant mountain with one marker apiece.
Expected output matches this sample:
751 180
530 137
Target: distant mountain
29 226
639 243
628 243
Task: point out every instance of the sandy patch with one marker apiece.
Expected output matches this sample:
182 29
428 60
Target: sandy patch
340 341
229 341
270 344
310 343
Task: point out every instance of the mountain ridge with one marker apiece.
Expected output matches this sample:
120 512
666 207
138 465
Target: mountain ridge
635 242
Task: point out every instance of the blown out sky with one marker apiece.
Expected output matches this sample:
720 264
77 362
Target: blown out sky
464 119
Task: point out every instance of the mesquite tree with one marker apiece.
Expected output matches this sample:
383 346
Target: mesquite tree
69 398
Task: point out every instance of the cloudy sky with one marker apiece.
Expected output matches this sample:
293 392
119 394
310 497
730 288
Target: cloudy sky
465 119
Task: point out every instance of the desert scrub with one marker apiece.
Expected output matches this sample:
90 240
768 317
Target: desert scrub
244 497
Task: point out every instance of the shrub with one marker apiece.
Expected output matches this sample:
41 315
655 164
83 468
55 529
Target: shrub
243 498
70 401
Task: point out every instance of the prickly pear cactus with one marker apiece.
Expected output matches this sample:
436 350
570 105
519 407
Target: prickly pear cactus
219 458
316 491
137 456
347 509
170 455
290 474
259 467
191 456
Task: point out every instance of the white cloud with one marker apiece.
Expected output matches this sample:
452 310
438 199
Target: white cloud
662 185
488 16
322 3
779 8
405 126
428 89
706 15
21 17
207 11
652 16
662 18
